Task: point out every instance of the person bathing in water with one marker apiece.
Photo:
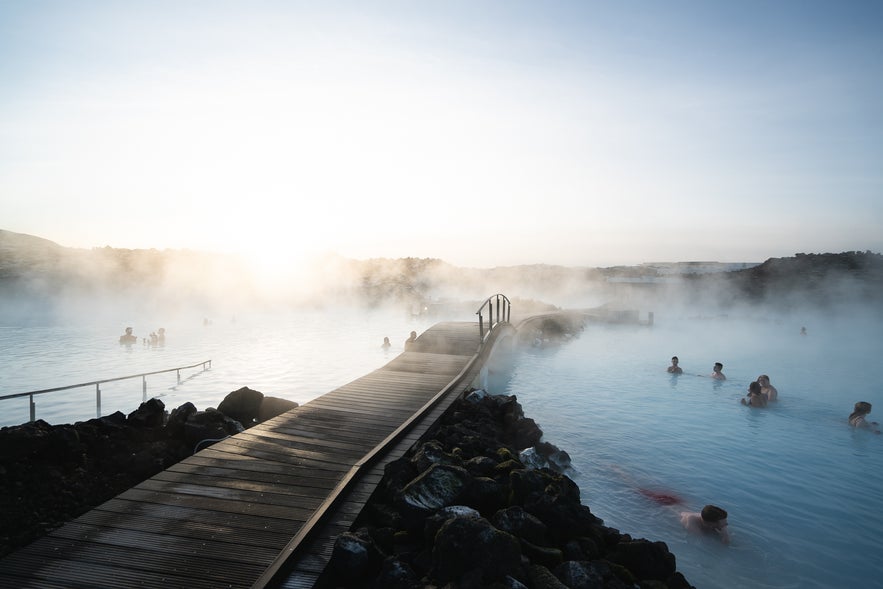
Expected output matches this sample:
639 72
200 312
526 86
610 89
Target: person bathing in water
716 372
755 397
768 390
411 339
857 417
712 520
128 338
674 368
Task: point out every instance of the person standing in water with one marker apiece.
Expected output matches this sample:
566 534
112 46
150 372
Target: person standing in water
716 372
411 340
768 390
755 398
857 417
385 345
712 520
127 339
674 368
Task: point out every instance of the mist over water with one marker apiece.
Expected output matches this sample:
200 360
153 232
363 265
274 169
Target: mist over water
296 354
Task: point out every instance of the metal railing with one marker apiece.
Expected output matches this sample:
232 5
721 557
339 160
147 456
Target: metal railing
498 304
97 383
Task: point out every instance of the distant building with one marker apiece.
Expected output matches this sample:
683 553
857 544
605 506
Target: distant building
670 268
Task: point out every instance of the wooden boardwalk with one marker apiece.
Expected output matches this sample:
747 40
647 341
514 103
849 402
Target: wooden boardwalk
262 508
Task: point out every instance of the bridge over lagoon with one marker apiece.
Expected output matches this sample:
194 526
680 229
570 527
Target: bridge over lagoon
263 508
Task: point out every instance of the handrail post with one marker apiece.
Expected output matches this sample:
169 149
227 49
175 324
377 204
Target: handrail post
179 376
143 388
97 400
33 408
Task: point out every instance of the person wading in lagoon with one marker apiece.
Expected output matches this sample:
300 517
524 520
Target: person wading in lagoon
411 340
755 398
127 339
711 520
857 417
768 390
716 373
674 368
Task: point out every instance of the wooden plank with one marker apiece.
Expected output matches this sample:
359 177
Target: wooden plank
196 529
241 484
172 546
119 567
222 505
176 515
228 476
299 441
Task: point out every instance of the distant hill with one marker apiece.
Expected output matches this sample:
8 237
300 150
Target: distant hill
821 279
39 277
36 274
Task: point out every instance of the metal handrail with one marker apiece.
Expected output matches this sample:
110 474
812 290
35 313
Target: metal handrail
503 311
143 376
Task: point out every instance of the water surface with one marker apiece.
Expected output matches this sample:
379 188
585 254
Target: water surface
801 487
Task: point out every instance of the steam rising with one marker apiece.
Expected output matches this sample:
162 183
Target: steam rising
41 281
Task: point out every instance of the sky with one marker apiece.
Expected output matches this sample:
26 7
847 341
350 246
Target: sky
483 133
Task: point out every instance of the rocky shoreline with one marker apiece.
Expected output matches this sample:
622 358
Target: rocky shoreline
481 501
51 474
466 509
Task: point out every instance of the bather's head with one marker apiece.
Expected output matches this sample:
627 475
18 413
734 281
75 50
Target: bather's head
713 514
863 407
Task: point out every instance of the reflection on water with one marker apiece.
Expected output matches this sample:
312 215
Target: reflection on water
801 487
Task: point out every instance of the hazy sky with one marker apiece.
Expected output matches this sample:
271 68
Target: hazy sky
482 133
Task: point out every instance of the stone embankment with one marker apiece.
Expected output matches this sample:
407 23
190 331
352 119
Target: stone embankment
466 509
51 474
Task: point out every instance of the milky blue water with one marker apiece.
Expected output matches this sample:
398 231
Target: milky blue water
294 355
804 491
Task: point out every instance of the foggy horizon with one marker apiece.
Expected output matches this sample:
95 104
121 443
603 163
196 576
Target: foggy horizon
104 284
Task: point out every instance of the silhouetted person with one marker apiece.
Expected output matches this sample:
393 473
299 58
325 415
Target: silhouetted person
409 342
161 336
127 339
386 345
